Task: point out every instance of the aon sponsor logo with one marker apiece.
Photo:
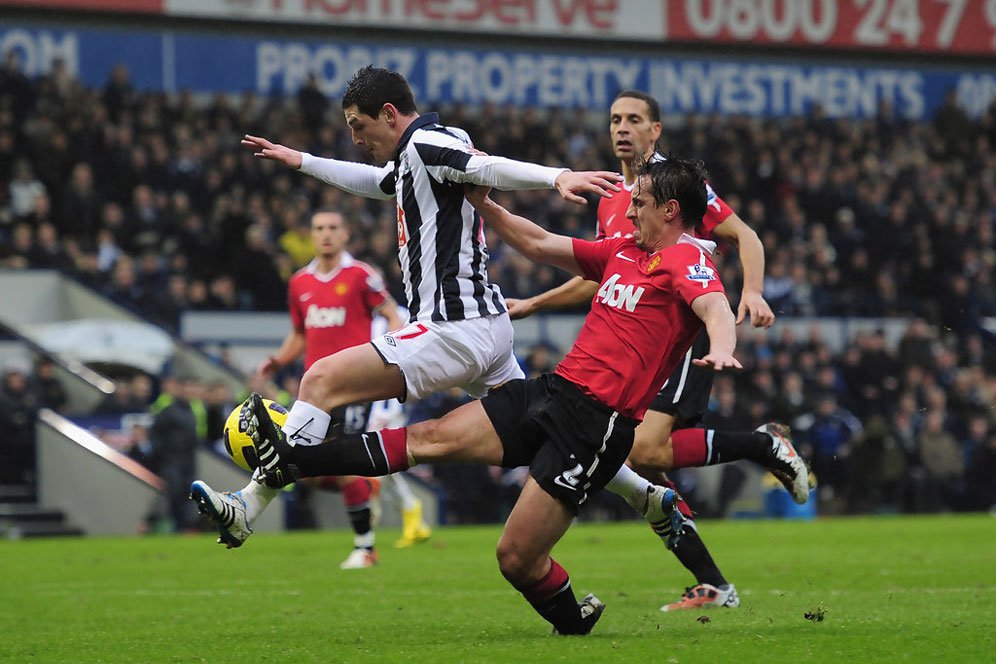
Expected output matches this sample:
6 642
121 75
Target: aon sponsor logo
325 316
620 296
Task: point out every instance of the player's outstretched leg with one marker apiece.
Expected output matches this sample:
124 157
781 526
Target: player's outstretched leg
367 454
769 445
226 510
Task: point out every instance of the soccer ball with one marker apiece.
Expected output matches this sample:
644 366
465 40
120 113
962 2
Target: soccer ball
238 444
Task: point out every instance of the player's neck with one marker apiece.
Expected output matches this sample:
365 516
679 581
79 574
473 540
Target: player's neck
326 264
402 124
668 238
629 168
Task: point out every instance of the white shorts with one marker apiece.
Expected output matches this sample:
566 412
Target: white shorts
474 355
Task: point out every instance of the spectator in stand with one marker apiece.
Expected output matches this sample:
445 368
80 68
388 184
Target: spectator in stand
119 402
23 189
124 288
980 480
140 448
296 240
826 436
218 403
119 94
174 443
943 462
141 392
18 410
80 209
47 388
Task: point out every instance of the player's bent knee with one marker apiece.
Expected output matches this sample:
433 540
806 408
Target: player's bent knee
431 441
651 454
318 382
513 565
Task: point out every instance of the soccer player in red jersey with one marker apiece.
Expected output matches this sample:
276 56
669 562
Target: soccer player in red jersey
668 438
574 428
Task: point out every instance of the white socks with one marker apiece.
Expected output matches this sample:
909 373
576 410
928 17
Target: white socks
364 541
306 424
257 496
405 494
631 487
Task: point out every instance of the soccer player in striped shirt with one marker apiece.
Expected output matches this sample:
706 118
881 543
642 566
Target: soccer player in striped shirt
459 333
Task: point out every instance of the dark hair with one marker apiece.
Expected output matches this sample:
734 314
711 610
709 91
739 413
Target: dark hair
372 87
684 180
652 105
330 210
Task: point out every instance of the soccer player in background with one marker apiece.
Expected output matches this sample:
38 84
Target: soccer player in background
332 303
459 333
635 128
574 427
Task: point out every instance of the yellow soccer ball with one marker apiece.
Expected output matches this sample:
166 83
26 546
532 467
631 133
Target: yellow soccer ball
238 444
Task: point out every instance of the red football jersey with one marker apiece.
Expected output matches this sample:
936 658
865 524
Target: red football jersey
334 310
612 221
641 320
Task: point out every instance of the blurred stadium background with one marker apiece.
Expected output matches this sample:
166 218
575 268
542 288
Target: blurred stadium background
145 254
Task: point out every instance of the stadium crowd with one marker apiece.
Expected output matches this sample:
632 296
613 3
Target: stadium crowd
149 198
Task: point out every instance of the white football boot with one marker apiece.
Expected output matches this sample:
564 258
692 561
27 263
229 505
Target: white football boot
226 510
785 463
663 516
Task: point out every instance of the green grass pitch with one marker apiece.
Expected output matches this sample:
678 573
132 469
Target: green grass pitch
893 589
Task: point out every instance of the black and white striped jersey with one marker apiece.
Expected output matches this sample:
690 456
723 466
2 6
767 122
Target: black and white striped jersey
441 244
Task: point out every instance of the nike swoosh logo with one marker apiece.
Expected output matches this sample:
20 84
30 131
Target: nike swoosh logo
608 221
620 254
306 297
296 436
560 482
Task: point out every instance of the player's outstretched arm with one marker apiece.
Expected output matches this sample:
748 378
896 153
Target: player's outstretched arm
576 290
751 250
714 310
571 184
265 149
535 243
359 179
470 166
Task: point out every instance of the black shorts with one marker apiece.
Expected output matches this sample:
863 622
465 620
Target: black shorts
685 395
572 444
353 419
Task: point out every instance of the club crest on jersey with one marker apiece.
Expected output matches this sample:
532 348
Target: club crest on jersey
620 296
402 228
701 273
653 264
341 289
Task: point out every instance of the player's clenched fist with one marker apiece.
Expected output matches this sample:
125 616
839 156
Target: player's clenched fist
264 149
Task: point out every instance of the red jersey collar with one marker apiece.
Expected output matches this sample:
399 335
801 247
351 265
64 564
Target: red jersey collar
345 260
